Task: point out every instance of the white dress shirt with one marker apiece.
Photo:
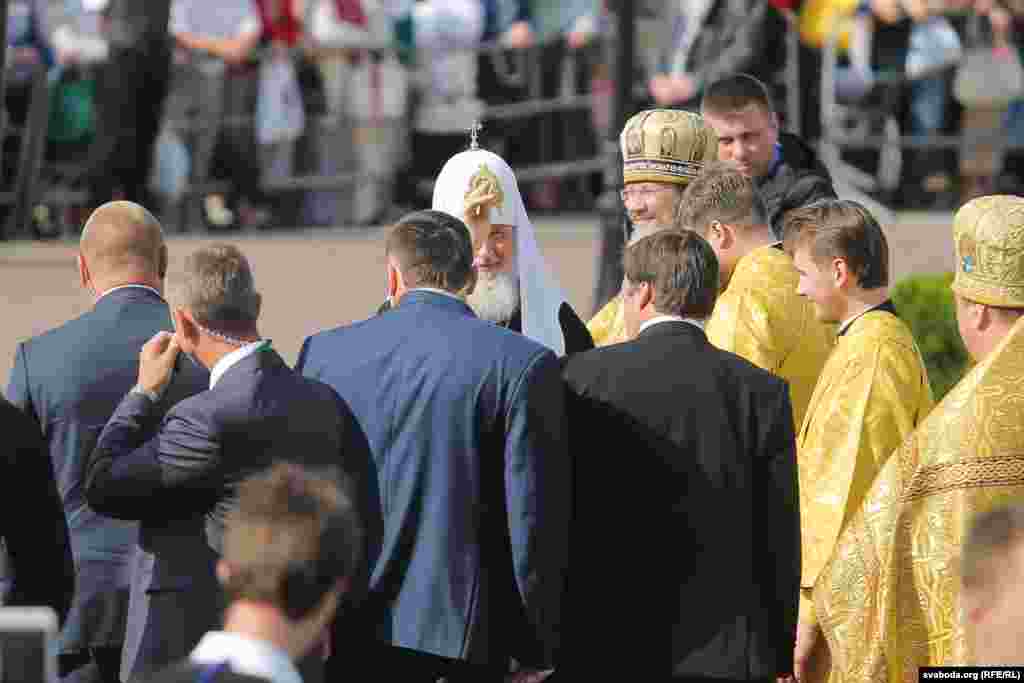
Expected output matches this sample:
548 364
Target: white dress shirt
225 363
246 656
672 319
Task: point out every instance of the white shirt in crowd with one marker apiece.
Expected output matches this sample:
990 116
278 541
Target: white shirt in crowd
246 656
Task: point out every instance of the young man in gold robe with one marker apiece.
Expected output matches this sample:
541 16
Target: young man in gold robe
663 150
759 314
873 390
889 600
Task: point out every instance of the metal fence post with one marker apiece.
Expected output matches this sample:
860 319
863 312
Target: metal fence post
613 218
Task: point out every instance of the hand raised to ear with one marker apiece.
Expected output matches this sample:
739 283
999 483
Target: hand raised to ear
156 362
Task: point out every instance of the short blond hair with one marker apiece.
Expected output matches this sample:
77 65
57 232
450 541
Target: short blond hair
721 193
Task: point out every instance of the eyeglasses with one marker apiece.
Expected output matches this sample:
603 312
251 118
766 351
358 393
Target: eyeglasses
641 192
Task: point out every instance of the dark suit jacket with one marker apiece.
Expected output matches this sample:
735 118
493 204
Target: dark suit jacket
69 380
187 672
465 420
179 476
32 522
798 180
686 535
577 336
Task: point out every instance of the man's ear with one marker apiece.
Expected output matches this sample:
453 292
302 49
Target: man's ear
728 239
470 285
841 275
185 328
223 572
85 278
980 316
161 266
645 295
395 283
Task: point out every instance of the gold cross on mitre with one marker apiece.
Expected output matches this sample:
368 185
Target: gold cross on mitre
474 135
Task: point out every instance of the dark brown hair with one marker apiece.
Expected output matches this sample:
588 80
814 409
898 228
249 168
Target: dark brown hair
433 249
292 537
682 269
721 193
840 228
734 92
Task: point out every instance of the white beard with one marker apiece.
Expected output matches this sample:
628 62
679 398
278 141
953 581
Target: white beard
495 299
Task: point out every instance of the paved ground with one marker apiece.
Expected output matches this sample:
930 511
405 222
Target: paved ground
315 279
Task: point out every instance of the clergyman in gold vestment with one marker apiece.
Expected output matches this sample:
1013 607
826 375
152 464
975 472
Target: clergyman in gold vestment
662 150
759 315
873 390
888 601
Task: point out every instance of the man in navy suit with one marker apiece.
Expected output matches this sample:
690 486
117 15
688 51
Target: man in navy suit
178 473
466 424
69 381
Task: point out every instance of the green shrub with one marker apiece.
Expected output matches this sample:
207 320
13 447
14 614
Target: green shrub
925 303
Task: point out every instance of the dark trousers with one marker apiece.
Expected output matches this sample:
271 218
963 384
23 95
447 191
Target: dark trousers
130 94
98 665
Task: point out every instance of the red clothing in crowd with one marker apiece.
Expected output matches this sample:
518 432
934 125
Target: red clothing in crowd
281 21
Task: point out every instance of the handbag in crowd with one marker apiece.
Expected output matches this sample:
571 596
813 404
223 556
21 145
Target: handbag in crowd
988 77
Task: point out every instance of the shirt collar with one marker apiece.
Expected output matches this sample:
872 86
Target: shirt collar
120 287
671 319
886 306
246 656
236 356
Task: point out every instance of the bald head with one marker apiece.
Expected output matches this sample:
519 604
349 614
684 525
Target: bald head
123 243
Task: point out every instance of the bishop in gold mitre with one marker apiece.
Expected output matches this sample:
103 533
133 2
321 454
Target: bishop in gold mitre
888 601
759 315
873 390
662 150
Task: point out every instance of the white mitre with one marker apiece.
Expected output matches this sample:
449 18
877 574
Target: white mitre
540 295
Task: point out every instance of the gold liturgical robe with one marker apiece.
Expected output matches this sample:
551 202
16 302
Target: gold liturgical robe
761 317
888 601
872 394
609 325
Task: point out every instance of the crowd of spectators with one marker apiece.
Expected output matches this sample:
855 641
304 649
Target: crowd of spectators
255 92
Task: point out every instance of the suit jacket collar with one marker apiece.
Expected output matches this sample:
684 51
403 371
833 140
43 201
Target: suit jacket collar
121 295
235 357
264 360
674 328
428 298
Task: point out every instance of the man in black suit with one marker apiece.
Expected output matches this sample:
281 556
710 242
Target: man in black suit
68 381
178 473
697 469
32 523
291 548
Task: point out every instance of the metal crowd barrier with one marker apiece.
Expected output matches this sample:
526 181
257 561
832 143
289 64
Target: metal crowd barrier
892 141
28 191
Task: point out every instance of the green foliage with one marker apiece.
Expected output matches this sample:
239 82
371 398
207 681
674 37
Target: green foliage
925 302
